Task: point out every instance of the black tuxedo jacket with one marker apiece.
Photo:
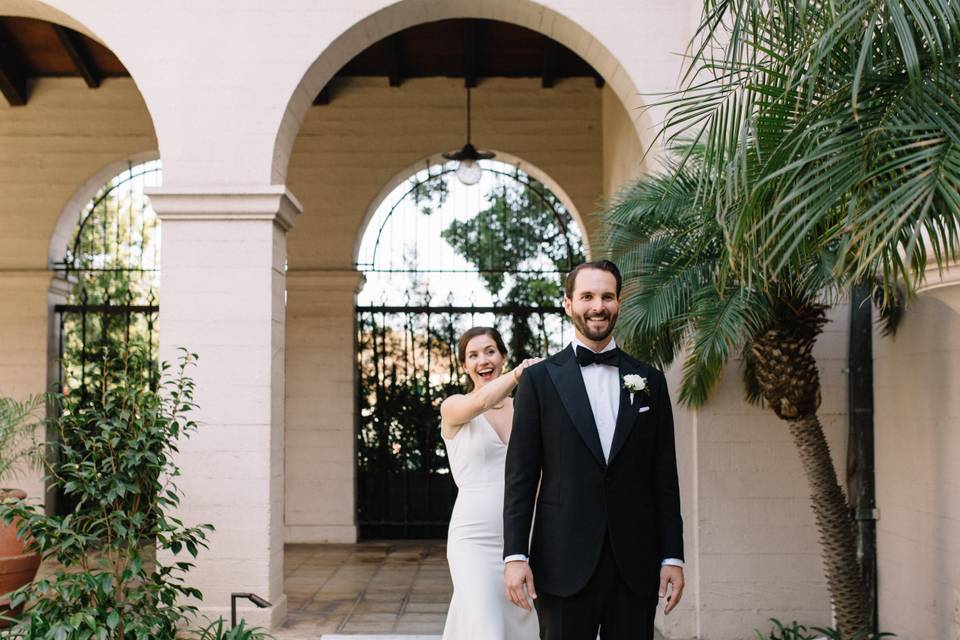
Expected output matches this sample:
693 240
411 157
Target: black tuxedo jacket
634 496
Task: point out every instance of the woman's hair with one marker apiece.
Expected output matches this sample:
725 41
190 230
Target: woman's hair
469 335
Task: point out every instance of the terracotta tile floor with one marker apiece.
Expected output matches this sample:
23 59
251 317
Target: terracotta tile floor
367 588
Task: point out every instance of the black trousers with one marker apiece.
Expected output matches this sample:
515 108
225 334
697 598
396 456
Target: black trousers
606 604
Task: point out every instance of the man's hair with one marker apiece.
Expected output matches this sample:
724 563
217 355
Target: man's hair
602 265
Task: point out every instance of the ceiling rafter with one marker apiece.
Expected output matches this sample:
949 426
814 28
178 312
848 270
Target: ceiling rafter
394 60
13 77
470 54
323 98
73 44
465 48
550 55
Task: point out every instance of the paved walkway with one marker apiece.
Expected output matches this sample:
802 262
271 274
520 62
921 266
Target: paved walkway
370 588
364 591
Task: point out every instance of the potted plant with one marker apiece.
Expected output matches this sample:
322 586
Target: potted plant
18 451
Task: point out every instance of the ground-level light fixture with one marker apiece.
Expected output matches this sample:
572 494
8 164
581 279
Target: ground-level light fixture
252 597
469 170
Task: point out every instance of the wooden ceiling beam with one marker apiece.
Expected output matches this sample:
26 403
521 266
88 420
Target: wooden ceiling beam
72 42
470 54
13 77
394 60
550 55
323 98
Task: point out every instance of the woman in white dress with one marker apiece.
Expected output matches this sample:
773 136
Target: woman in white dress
476 429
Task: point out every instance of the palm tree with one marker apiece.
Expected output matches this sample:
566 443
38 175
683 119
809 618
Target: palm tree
684 293
19 450
837 124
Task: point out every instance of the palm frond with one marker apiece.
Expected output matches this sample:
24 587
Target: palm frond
721 323
831 123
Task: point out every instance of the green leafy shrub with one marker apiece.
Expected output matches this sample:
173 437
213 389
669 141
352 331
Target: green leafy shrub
115 457
218 630
796 631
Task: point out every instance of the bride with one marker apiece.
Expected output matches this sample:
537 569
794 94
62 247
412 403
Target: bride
476 429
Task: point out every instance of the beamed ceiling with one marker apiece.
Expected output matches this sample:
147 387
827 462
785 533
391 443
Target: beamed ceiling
36 49
463 48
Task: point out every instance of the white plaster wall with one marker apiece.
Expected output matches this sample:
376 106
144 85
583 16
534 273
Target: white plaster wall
917 387
28 350
225 83
623 152
65 135
348 150
683 622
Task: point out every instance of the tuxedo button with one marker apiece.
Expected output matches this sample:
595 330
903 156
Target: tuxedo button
609 480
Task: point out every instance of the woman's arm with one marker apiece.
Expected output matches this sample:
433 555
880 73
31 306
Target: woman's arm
457 410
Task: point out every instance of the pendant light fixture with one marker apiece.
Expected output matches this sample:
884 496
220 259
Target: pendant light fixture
469 170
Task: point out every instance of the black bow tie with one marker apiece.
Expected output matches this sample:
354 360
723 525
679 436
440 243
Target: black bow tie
586 357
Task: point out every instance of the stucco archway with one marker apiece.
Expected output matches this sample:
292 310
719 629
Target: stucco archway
406 13
57 149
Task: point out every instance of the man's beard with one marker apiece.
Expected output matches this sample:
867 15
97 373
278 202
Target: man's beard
580 322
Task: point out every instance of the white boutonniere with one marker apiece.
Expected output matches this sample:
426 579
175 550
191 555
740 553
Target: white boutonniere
635 384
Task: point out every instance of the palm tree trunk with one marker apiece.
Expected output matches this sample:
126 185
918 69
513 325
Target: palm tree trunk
787 375
838 545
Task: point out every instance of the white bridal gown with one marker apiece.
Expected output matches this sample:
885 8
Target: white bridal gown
479 609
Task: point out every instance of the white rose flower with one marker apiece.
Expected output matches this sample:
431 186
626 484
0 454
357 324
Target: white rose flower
635 384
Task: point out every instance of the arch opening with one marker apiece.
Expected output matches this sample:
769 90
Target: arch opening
355 52
440 257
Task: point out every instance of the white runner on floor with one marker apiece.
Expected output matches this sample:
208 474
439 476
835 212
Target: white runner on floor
389 636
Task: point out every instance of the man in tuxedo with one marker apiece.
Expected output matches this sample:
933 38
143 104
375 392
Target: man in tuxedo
608 536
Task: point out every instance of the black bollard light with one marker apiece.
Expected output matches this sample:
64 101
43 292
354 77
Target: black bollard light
252 597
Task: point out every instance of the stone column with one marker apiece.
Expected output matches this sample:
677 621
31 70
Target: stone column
320 409
29 345
222 296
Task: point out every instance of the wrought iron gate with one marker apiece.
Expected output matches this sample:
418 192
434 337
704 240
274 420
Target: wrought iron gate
405 343
113 266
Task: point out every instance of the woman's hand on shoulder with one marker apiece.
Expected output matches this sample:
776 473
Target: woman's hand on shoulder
518 371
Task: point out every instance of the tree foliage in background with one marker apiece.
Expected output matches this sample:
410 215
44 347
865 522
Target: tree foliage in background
400 395
522 244
112 260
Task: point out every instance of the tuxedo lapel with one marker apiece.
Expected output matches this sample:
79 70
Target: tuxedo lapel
627 414
565 372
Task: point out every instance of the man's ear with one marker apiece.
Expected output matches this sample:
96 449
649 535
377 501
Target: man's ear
567 306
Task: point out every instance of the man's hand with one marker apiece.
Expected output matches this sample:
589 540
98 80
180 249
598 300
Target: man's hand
672 575
516 576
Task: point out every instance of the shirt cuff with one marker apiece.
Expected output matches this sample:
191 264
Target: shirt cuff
673 562
516 556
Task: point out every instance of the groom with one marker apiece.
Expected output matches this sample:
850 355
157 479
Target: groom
608 534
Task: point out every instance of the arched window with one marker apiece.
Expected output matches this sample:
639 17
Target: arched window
113 262
438 258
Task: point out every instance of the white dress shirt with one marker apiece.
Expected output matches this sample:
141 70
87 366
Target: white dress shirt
603 390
